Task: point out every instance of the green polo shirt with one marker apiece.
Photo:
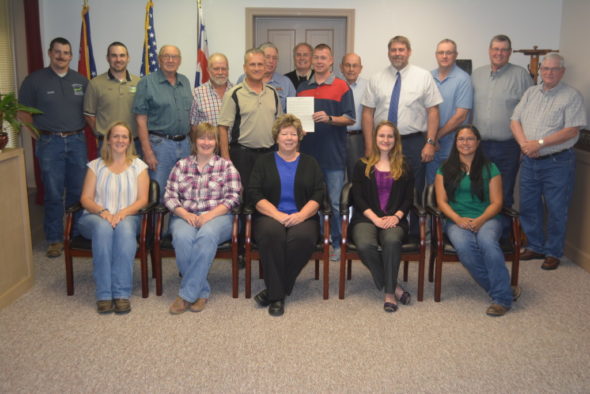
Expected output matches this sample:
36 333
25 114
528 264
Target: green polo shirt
110 101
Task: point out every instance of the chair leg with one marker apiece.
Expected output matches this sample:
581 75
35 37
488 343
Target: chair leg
69 273
157 267
405 271
235 273
317 269
145 291
349 270
431 264
421 278
438 279
248 274
342 279
326 277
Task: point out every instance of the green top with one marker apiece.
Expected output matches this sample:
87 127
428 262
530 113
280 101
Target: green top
466 204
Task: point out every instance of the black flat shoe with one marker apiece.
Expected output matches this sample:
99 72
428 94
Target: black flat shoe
262 299
406 298
276 308
390 307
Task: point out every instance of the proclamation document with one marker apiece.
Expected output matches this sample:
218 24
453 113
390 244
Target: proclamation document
302 107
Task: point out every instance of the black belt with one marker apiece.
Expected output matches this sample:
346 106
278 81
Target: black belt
61 134
354 132
412 135
242 147
551 154
179 137
100 137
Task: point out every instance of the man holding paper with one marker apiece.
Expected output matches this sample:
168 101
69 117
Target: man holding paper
334 110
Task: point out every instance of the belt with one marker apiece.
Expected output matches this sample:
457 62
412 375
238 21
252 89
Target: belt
242 147
412 135
179 137
61 134
354 132
552 154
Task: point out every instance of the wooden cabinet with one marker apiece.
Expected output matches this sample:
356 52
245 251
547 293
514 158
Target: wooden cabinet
577 242
16 255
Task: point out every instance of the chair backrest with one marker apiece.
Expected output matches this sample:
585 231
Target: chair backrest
345 198
430 197
154 192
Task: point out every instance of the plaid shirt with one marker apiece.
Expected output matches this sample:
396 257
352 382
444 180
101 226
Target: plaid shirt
206 104
199 192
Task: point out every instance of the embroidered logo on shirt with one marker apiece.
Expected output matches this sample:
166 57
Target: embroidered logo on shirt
78 89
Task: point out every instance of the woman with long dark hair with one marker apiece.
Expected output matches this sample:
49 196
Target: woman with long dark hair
382 192
469 193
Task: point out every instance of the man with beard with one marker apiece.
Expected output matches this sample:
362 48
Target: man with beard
110 96
209 96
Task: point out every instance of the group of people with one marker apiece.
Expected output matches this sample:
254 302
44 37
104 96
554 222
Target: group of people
211 148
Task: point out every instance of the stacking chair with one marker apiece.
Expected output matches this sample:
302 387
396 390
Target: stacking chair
441 249
413 249
321 252
78 246
163 248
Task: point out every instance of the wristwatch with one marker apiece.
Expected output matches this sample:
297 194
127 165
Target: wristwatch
330 118
431 142
541 141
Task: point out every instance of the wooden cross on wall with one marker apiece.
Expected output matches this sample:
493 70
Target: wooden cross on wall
534 54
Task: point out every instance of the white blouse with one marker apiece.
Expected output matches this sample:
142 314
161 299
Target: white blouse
116 191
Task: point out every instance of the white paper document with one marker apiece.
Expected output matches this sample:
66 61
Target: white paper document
302 107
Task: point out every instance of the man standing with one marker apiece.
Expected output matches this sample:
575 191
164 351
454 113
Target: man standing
209 96
334 110
407 96
58 91
247 114
546 125
109 96
497 89
161 106
279 82
302 58
454 85
351 68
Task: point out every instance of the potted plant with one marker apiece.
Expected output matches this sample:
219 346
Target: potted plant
9 107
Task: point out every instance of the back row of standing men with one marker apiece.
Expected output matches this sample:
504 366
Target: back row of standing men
426 107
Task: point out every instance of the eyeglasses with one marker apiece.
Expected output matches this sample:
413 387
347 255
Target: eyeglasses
550 69
466 139
170 57
448 53
219 69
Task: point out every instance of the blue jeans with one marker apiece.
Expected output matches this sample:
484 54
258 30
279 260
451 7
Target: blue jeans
506 156
550 180
167 152
334 183
445 144
63 166
113 253
481 255
195 250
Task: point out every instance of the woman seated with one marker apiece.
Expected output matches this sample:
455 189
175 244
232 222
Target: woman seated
382 193
115 189
201 191
286 187
469 193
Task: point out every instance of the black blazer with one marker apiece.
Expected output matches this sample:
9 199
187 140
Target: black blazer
266 184
365 196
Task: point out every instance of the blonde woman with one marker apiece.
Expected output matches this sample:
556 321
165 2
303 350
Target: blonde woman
382 192
115 189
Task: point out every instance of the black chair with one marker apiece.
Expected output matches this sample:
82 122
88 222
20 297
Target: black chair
79 246
321 252
163 248
442 250
413 249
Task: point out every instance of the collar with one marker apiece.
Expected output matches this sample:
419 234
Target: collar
550 91
452 73
162 78
194 163
501 71
328 81
112 77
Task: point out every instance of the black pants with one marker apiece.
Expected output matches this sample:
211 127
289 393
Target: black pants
412 149
284 252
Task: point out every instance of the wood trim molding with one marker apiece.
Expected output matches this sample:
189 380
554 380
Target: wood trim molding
349 14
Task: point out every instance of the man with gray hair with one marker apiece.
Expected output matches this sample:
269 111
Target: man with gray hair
302 58
546 124
271 77
208 97
497 88
161 106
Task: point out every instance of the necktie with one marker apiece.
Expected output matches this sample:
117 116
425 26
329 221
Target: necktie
393 104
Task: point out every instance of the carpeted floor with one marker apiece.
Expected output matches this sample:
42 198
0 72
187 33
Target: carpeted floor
51 343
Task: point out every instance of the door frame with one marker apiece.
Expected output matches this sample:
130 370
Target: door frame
348 14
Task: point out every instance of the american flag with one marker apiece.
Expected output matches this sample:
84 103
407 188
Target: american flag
202 74
87 67
149 58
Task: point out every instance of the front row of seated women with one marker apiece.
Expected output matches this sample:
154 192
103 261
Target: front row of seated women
286 188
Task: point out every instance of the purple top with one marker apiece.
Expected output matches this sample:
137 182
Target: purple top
384 182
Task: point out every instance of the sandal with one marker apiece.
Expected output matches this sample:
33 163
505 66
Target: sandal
405 298
390 307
